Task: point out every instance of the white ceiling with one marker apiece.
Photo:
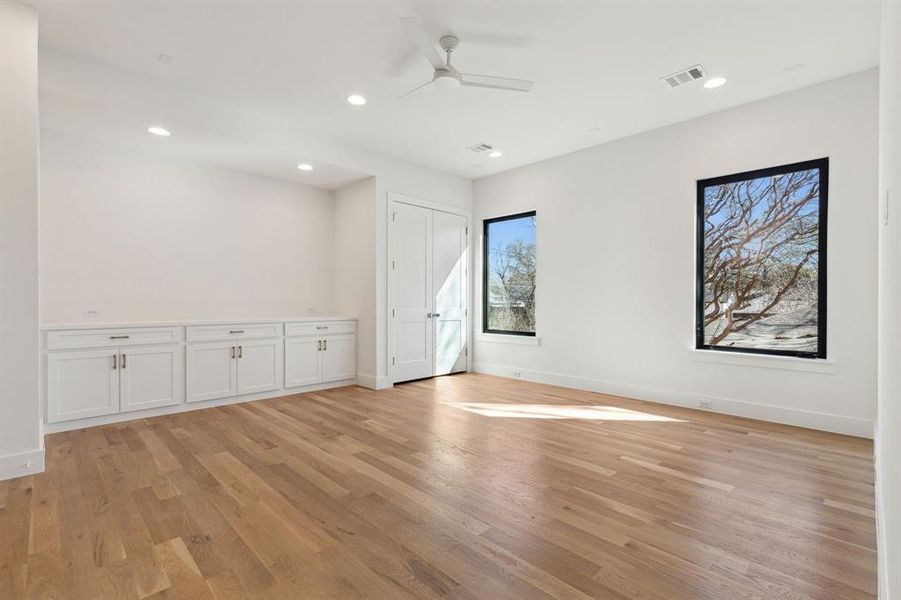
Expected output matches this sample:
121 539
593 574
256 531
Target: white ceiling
249 80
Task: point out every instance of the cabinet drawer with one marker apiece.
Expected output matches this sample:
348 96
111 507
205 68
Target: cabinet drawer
320 328
102 338
238 331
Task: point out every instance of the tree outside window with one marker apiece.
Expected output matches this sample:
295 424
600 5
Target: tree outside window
761 261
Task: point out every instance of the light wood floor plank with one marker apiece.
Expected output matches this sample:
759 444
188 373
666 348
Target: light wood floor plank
458 488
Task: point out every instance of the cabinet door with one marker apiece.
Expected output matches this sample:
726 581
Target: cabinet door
259 366
302 360
339 358
211 371
151 376
82 384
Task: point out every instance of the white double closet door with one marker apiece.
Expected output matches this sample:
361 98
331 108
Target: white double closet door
430 292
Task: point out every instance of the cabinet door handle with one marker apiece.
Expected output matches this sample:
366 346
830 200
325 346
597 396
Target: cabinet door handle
240 351
320 345
115 361
233 351
118 337
123 360
325 344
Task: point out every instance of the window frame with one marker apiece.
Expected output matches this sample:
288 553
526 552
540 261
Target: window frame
485 224
821 164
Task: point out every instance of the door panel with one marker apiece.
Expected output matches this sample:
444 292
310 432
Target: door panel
212 371
339 358
151 377
82 384
259 366
450 266
414 339
302 361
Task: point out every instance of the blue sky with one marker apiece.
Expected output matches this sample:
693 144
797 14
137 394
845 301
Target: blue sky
502 233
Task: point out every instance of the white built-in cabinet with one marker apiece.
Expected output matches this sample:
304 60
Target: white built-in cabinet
319 353
117 374
235 365
109 370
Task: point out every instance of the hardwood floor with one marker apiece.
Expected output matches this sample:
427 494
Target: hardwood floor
461 487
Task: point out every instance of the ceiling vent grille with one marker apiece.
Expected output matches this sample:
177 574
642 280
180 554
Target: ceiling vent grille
481 148
685 76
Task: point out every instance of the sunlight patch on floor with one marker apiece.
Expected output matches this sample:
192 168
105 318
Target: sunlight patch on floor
557 411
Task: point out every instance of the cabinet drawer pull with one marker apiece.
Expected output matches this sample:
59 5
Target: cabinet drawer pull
115 361
321 327
118 337
237 331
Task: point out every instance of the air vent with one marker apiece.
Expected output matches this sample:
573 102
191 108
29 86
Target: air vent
481 148
682 77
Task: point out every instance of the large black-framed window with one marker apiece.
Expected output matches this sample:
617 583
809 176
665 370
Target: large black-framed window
508 274
761 261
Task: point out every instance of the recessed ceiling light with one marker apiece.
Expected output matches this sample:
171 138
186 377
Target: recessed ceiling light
305 167
157 130
495 154
356 100
714 82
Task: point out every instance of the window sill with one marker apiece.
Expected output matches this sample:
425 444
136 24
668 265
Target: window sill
520 340
787 363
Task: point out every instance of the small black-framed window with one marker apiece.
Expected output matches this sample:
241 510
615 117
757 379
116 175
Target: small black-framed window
761 261
508 274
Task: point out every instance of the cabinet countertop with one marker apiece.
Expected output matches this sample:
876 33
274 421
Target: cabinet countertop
188 322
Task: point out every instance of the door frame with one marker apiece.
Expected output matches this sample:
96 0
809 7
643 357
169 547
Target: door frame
395 198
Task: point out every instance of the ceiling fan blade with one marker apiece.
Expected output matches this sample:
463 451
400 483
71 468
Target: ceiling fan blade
416 90
423 41
497 83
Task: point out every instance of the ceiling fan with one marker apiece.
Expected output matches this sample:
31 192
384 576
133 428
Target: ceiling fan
445 76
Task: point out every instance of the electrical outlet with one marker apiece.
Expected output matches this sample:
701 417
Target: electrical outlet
705 404
517 373
91 313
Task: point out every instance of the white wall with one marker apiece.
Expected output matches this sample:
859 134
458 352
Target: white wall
616 225
354 289
21 443
888 431
139 236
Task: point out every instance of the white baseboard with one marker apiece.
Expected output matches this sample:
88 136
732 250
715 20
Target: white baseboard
186 407
372 382
739 408
21 464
